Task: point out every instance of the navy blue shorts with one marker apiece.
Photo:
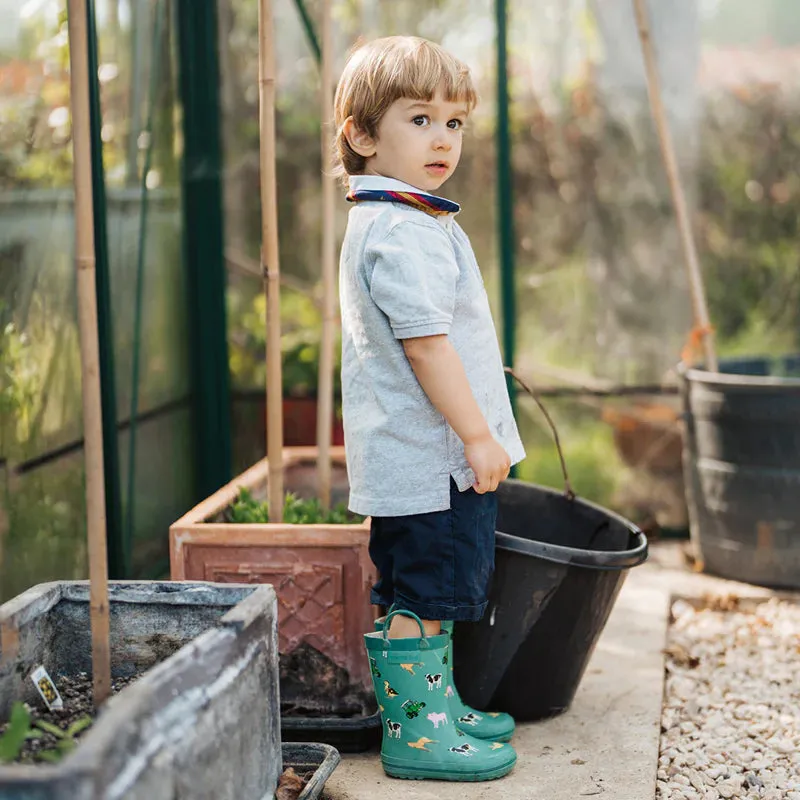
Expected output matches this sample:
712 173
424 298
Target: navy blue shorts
439 564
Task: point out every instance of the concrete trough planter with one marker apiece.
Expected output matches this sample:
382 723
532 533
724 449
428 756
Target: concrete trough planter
201 722
322 575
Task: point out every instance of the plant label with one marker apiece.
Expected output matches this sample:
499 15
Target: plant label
47 689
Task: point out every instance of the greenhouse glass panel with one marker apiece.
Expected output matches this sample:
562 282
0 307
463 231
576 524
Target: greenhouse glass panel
41 467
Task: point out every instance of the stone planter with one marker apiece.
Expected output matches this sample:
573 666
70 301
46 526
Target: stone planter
201 724
322 575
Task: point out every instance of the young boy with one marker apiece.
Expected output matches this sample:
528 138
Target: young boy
429 430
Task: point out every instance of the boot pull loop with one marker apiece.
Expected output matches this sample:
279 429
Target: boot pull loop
423 645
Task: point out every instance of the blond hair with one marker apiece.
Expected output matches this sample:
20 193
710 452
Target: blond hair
384 70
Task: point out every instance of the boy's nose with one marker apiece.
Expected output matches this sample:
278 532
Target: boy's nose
441 143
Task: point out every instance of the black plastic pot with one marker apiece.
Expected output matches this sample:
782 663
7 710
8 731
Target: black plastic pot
742 468
305 758
346 734
560 564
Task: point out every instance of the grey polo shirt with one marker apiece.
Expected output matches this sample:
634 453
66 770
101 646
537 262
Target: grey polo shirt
404 274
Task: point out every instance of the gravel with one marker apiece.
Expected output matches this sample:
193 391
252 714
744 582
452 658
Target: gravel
731 718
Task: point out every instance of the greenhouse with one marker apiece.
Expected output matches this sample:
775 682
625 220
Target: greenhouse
629 187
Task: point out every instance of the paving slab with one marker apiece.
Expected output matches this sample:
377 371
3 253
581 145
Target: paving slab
605 746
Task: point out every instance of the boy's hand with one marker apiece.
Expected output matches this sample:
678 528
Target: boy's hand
489 461
441 374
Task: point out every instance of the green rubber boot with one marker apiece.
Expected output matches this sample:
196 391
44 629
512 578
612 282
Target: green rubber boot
494 726
420 740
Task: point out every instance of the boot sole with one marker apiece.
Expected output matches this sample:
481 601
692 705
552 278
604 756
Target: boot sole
506 737
417 773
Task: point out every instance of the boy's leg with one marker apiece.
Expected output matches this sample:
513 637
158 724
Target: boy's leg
470 523
438 564
406 628
380 553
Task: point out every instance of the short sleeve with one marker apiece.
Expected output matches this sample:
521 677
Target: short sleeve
414 280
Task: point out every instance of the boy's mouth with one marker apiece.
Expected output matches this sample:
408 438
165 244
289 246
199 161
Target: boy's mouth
437 166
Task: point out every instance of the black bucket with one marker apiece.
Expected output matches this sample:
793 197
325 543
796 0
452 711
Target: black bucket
560 563
742 468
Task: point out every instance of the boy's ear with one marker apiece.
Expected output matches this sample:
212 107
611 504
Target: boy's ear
361 142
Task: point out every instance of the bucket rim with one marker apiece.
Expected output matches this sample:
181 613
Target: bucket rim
608 560
703 376
574 556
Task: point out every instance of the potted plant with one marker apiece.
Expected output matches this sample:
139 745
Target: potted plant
319 564
300 352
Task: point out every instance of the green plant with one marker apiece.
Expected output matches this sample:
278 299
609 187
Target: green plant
296 511
594 465
17 732
301 325
20 730
66 740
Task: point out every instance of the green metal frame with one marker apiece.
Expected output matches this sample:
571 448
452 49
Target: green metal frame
308 26
118 567
203 239
505 198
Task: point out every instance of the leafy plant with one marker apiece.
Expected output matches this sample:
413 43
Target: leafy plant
296 511
17 732
301 329
20 730
66 739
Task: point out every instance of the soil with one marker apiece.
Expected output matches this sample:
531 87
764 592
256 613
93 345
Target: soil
76 692
312 685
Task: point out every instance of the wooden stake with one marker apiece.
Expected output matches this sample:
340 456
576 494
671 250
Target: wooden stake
270 264
90 355
701 319
328 342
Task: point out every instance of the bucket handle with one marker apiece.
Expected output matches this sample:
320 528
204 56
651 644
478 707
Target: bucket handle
568 491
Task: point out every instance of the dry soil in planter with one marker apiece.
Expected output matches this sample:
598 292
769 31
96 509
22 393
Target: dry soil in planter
76 693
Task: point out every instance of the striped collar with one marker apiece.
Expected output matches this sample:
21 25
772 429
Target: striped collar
377 187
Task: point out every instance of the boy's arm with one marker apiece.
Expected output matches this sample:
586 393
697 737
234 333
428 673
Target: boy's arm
441 374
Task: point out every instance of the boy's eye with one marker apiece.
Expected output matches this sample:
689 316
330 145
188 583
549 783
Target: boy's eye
455 124
420 121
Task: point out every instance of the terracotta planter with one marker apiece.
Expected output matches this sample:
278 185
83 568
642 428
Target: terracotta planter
321 573
300 422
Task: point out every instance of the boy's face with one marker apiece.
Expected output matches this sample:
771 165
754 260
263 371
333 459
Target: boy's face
417 142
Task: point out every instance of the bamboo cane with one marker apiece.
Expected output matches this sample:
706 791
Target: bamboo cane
270 264
700 307
326 355
90 357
